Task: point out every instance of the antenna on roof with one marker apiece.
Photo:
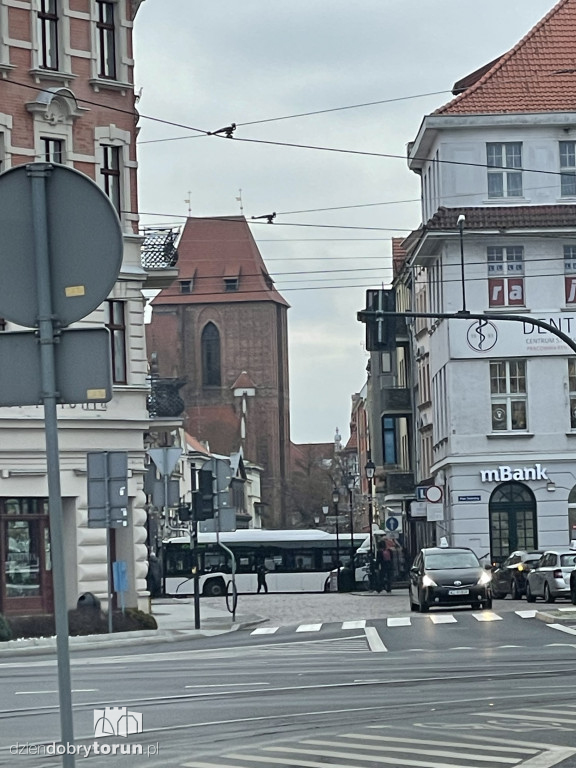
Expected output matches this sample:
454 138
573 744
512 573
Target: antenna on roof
239 199
188 200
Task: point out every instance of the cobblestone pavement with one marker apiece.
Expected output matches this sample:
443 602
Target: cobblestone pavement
282 609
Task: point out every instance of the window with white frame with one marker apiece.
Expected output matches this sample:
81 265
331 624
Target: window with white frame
117 326
111 176
506 276
508 395
52 149
568 168
106 39
570 273
47 22
502 159
572 388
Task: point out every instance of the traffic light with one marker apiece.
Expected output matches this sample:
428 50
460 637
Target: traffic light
184 512
204 496
380 329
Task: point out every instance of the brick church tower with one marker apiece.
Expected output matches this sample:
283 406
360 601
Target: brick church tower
223 327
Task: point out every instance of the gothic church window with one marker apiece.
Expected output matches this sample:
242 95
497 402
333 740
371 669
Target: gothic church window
211 356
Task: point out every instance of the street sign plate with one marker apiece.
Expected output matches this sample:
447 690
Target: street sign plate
85 240
82 361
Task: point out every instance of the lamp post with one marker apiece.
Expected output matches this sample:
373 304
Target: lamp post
350 482
335 500
370 468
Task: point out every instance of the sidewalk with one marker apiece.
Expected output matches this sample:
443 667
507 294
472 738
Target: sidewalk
175 619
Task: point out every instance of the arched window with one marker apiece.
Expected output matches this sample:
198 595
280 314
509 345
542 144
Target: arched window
513 521
210 356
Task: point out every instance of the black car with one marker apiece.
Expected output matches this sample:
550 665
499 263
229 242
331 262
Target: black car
448 576
509 578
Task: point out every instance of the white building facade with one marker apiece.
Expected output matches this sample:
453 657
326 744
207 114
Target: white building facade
498 169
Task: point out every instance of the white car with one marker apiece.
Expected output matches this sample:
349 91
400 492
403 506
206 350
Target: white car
550 577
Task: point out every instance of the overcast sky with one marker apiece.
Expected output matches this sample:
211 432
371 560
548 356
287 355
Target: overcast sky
207 64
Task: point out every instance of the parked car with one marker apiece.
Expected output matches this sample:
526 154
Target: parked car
448 576
550 577
509 578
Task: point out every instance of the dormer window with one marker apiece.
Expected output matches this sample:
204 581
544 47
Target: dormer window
186 286
231 284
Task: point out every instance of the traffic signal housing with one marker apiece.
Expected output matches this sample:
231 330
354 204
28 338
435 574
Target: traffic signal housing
203 497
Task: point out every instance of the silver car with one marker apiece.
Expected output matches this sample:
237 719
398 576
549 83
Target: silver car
550 577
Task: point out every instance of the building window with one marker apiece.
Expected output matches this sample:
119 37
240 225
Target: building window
106 40
572 388
117 326
506 276
52 150
230 284
110 171
185 286
48 34
568 168
570 273
389 440
508 395
210 356
501 159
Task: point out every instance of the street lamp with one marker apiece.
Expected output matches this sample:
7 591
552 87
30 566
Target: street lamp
335 500
370 468
350 482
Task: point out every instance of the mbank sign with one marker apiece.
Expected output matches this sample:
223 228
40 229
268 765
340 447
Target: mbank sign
502 474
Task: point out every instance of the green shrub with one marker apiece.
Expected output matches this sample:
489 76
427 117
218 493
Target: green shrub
5 630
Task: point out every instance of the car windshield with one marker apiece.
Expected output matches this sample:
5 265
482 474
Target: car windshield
568 561
442 560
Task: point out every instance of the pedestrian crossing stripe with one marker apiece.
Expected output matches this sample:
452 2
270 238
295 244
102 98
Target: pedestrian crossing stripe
406 621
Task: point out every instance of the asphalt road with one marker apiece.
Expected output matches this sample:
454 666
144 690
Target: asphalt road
452 689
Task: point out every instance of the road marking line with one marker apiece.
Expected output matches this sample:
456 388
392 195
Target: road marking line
36 693
264 631
374 640
538 717
225 685
443 619
561 628
413 750
434 742
354 624
402 621
566 608
526 614
309 628
394 760
487 616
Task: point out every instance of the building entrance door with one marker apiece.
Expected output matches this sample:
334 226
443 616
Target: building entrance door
513 520
26 575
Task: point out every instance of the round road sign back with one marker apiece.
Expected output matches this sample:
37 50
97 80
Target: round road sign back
84 241
434 494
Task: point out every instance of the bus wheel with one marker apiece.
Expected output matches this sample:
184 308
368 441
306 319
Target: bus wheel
214 588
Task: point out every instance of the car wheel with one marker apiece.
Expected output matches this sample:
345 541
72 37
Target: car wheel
515 593
498 595
547 596
529 596
423 606
487 604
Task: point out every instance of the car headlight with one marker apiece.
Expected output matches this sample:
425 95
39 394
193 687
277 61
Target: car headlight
428 582
485 578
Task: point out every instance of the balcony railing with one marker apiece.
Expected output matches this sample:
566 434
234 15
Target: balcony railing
164 400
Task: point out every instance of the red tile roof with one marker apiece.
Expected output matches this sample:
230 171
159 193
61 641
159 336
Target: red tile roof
537 75
212 250
505 217
398 254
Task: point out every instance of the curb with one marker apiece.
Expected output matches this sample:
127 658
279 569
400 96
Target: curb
555 617
37 646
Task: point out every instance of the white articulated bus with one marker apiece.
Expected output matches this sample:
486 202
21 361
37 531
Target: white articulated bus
295 560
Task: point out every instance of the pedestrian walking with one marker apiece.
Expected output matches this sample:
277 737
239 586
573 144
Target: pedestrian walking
261 572
384 567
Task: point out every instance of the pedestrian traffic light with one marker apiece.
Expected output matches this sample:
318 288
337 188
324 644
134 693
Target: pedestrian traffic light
184 512
204 496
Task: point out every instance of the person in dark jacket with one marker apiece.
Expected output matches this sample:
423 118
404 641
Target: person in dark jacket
261 572
384 567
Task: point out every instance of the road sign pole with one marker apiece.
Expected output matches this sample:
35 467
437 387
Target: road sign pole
38 172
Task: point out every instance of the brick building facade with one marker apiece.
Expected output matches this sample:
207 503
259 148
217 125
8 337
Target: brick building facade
223 326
